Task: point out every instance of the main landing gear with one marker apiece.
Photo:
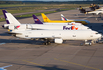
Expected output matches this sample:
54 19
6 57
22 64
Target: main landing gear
88 43
47 42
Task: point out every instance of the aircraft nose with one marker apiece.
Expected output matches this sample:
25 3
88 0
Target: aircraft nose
99 35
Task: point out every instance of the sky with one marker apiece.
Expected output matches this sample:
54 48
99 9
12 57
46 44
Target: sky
42 0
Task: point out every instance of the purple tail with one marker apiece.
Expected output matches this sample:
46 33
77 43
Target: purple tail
36 20
4 12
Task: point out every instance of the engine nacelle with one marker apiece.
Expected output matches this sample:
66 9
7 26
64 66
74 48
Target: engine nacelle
5 26
59 41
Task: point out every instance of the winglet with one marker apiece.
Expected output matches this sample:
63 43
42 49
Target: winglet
63 18
45 18
4 12
36 20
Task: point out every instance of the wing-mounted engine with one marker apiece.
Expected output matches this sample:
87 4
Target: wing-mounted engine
58 40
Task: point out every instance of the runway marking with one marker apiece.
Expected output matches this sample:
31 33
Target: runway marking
34 63
2 43
40 65
76 64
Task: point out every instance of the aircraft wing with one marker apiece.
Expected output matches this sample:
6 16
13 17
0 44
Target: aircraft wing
95 12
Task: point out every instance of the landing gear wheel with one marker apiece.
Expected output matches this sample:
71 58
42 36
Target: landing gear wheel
47 42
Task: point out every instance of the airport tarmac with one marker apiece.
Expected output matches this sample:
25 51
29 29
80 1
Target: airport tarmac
32 55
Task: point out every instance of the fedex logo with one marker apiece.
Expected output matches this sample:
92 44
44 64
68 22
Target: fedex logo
70 28
36 19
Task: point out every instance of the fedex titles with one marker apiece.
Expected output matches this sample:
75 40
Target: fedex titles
70 28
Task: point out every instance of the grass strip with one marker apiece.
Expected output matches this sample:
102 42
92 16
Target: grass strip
37 14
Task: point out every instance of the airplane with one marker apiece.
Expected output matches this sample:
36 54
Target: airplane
14 24
97 12
101 9
65 19
64 27
58 36
3 68
95 7
46 19
46 23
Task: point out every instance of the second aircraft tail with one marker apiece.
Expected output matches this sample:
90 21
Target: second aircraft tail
45 18
63 18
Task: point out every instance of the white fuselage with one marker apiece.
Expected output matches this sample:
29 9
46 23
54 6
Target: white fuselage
62 34
71 23
100 9
95 12
48 27
7 26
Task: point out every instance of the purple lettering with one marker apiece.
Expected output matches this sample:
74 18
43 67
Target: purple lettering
66 28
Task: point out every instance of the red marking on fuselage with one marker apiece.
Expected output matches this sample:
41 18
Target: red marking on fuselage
73 27
18 26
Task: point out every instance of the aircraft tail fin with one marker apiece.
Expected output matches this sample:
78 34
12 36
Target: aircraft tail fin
45 18
63 18
36 20
10 19
4 12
